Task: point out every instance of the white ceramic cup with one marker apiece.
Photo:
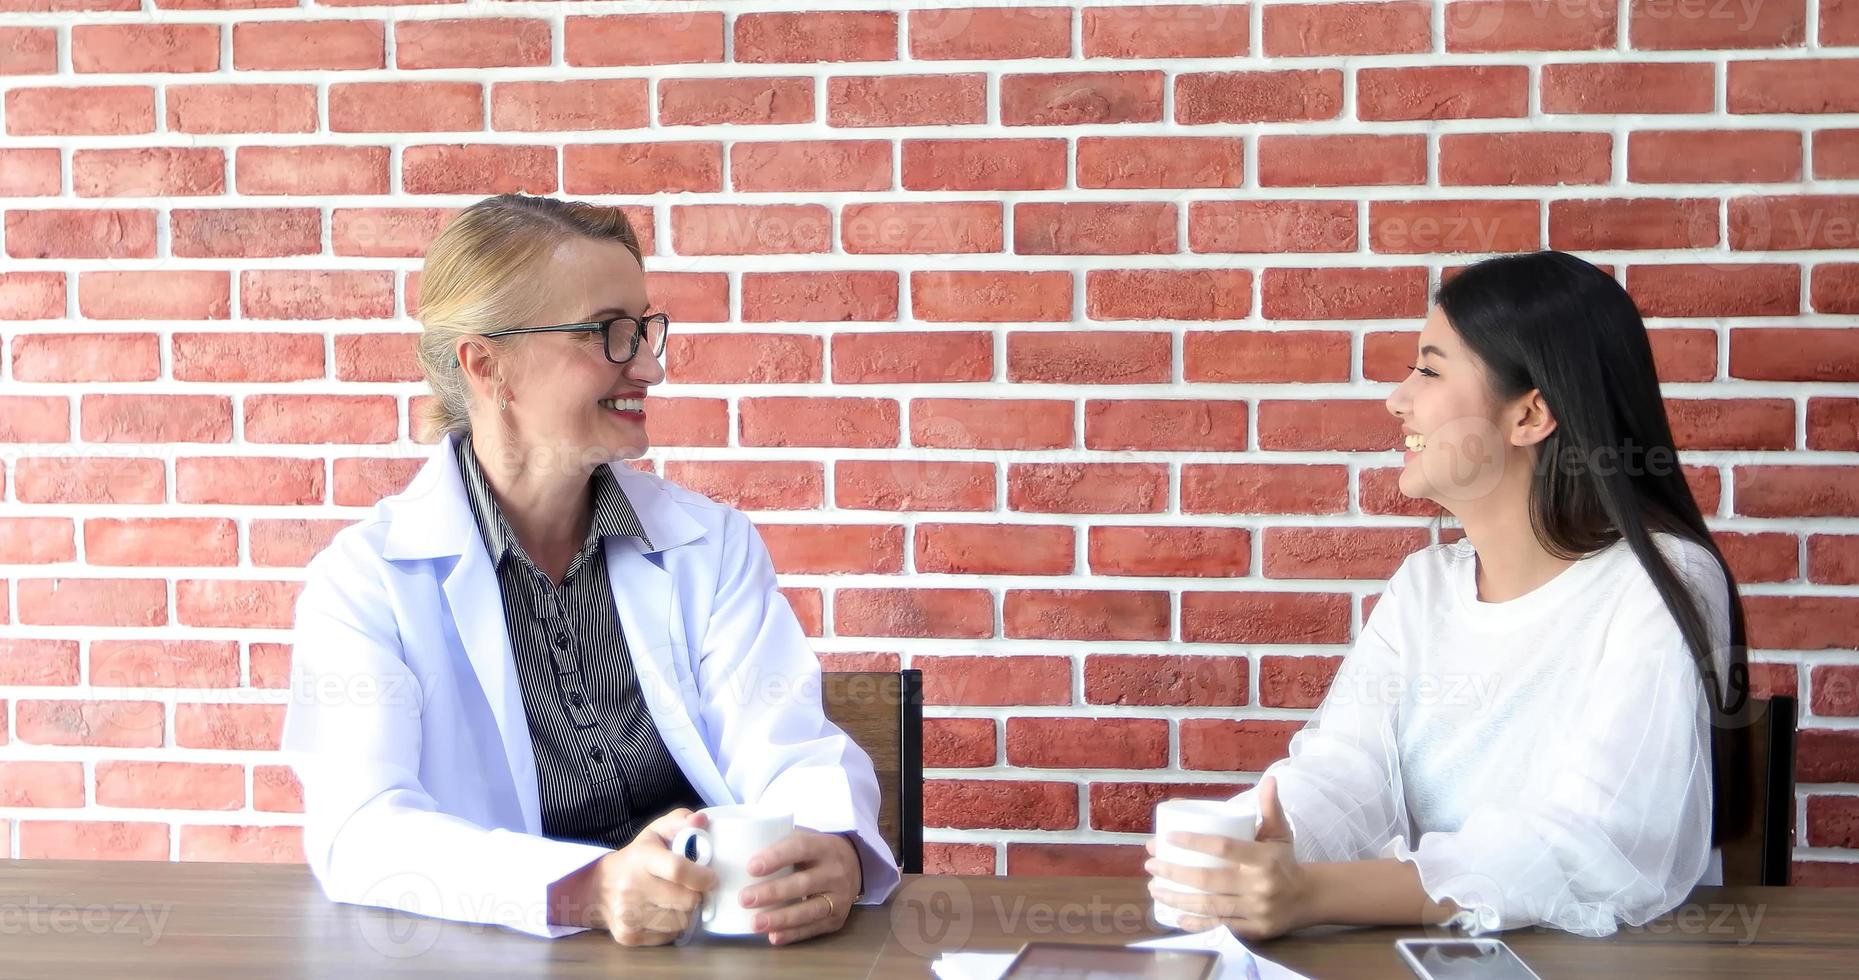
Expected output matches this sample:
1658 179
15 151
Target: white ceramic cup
1220 817
734 835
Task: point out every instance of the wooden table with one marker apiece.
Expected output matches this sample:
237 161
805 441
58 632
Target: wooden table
70 919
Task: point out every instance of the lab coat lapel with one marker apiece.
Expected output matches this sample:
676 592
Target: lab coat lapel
472 594
432 521
645 594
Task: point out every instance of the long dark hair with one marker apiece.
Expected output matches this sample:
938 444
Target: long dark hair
1553 322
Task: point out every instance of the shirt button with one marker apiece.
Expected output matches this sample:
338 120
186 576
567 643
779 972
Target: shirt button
596 753
561 641
574 698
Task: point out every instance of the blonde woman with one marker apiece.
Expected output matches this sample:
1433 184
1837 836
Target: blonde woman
515 681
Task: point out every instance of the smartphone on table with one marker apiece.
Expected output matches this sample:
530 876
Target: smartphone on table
1463 959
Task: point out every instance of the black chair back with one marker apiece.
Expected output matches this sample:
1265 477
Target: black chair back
883 712
1762 854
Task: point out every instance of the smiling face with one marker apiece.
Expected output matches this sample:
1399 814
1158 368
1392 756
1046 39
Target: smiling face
1456 432
564 394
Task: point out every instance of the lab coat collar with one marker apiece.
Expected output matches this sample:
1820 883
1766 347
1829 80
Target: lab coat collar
432 519
426 519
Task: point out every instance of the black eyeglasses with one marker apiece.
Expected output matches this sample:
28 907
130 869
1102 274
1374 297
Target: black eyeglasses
652 329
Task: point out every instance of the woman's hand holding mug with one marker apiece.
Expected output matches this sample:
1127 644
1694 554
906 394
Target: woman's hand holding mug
1255 887
787 882
643 893
819 893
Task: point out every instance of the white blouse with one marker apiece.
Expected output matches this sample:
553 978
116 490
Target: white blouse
1544 760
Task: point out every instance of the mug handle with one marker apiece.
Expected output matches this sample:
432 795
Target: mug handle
694 844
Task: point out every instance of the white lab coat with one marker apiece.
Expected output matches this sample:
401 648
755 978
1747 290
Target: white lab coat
406 725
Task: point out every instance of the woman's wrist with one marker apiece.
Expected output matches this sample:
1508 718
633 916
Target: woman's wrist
571 898
1341 892
1383 891
858 863
1314 903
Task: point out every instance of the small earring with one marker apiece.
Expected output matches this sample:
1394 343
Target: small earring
503 403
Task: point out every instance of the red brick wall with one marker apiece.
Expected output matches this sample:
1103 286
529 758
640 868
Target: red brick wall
1046 343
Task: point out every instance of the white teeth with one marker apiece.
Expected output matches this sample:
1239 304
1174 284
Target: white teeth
1416 443
624 404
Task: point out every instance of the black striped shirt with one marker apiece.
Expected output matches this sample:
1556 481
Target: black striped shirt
602 771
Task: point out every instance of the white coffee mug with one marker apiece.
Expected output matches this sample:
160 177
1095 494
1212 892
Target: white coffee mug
1222 817
734 835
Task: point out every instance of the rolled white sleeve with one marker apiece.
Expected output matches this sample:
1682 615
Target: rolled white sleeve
1340 785
372 834
760 686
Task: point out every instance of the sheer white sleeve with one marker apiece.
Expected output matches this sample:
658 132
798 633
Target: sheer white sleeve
1614 822
1340 785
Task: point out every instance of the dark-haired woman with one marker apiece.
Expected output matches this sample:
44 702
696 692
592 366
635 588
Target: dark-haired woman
1528 729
